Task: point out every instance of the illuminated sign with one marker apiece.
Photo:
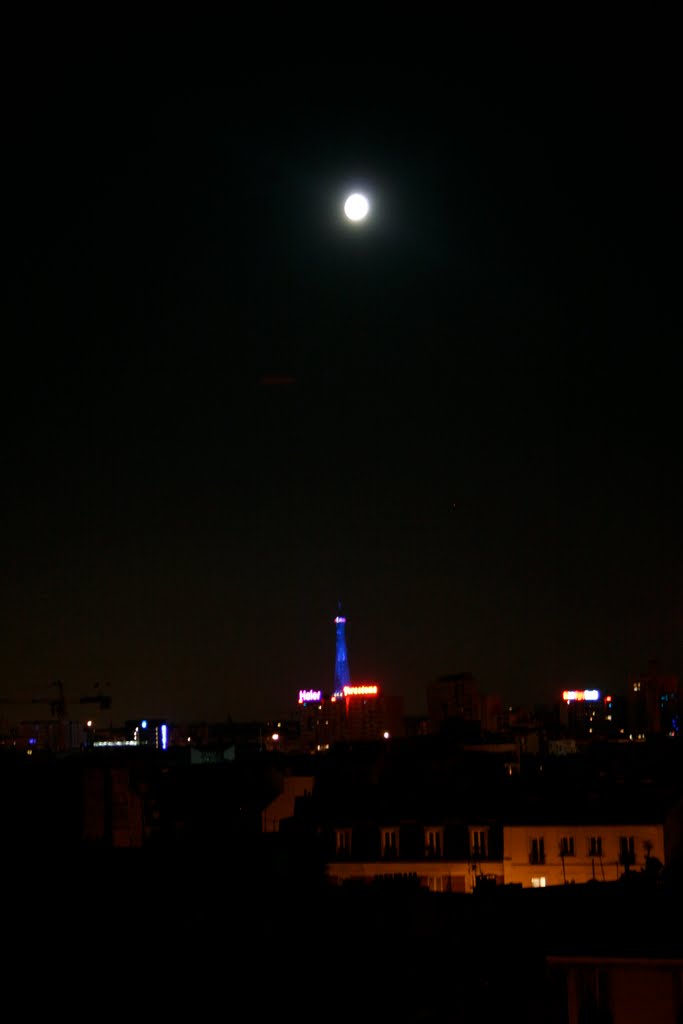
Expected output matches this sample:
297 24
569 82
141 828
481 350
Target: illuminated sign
570 695
306 695
365 690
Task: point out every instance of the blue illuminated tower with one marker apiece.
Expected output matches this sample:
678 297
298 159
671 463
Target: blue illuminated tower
342 676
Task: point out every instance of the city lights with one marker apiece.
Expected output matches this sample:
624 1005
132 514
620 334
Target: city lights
570 695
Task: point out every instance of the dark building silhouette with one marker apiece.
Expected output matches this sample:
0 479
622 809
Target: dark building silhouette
654 703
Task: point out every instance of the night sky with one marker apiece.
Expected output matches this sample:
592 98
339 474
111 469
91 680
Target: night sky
225 409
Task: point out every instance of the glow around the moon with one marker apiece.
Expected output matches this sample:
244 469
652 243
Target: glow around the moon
356 207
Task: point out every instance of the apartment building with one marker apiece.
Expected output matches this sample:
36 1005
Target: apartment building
538 854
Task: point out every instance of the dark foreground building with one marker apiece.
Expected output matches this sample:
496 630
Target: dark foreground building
215 912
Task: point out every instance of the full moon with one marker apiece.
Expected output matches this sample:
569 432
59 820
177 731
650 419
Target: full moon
356 207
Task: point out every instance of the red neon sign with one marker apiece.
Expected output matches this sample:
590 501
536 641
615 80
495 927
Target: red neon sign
363 690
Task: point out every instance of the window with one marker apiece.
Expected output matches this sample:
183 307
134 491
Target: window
390 844
440 883
433 842
567 846
538 882
479 843
595 846
537 852
627 852
343 842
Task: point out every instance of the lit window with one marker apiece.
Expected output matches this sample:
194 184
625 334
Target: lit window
538 883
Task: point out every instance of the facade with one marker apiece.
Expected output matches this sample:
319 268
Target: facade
590 714
282 807
451 818
492 713
361 712
582 713
449 858
453 698
621 989
654 703
542 854
366 713
59 736
444 857
114 809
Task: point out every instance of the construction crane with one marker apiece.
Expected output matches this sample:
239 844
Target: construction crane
58 704
103 700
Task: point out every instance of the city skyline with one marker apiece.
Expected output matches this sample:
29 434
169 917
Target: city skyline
226 409
99 701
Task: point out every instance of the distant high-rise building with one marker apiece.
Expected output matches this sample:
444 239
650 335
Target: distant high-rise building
342 675
582 713
654 702
360 712
453 699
